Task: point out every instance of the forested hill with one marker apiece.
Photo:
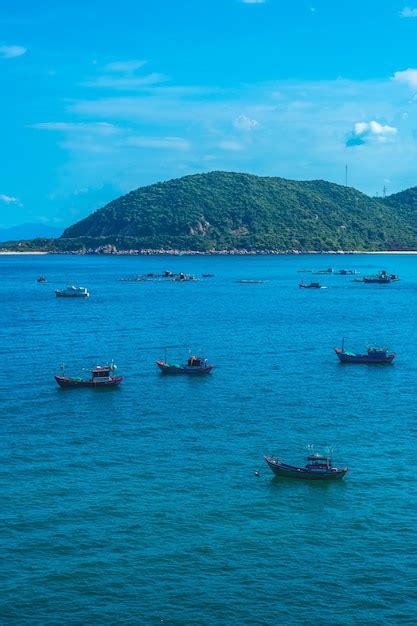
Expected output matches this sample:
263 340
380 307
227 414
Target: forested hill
224 210
405 205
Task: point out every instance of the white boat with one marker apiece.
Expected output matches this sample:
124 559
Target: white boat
72 292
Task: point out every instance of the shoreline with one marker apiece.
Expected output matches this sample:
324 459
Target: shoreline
11 252
204 253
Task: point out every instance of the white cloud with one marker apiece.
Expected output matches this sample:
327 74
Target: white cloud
124 66
246 123
7 199
123 75
175 143
408 12
9 52
409 77
97 128
126 82
370 132
230 144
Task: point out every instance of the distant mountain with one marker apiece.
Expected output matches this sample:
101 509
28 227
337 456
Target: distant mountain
29 231
224 210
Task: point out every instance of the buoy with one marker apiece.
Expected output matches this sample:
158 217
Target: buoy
257 473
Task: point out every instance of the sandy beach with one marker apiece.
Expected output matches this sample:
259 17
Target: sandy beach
7 252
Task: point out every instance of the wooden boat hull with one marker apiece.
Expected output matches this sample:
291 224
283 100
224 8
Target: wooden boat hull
363 358
71 295
65 382
183 369
291 471
310 286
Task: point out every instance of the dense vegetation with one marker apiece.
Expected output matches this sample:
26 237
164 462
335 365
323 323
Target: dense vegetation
228 210
405 205
225 210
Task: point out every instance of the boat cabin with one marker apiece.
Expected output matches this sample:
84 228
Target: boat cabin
195 361
377 352
101 373
318 461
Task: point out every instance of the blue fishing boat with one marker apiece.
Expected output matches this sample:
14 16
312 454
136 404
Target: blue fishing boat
195 365
372 356
102 376
382 278
318 467
312 285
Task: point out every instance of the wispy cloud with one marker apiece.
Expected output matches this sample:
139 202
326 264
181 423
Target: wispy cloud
409 77
163 131
9 52
230 144
125 83
8 199
124 66
370 132
123 75
172 143
408 12
99 128
244 122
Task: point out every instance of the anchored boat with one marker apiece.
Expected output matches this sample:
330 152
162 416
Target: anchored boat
101 376
318 467
312 285
72 292
382 278
195 365
373 355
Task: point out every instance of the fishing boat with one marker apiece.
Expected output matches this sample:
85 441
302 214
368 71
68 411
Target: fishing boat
318 467
72 292
183 278
195 365
312 285
329 270
382 278
373 355
41 279
101 376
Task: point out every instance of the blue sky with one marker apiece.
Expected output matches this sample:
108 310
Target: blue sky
99 98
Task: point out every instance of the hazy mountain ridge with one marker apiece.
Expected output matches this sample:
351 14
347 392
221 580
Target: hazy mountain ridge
29 231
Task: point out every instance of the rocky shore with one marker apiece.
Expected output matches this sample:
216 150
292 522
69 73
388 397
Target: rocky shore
112 250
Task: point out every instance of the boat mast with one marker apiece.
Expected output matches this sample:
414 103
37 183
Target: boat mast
343 344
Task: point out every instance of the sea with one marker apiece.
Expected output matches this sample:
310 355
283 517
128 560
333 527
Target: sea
151 503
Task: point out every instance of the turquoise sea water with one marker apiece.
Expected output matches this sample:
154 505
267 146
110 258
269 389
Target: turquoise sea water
140 505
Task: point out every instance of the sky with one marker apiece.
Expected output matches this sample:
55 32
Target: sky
99 98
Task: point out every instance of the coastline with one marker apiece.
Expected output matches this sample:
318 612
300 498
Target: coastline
11 252
162 252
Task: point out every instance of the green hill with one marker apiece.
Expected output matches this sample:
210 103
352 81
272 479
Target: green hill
229 210
405 205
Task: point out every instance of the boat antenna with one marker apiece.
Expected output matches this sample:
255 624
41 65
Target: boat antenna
343 344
